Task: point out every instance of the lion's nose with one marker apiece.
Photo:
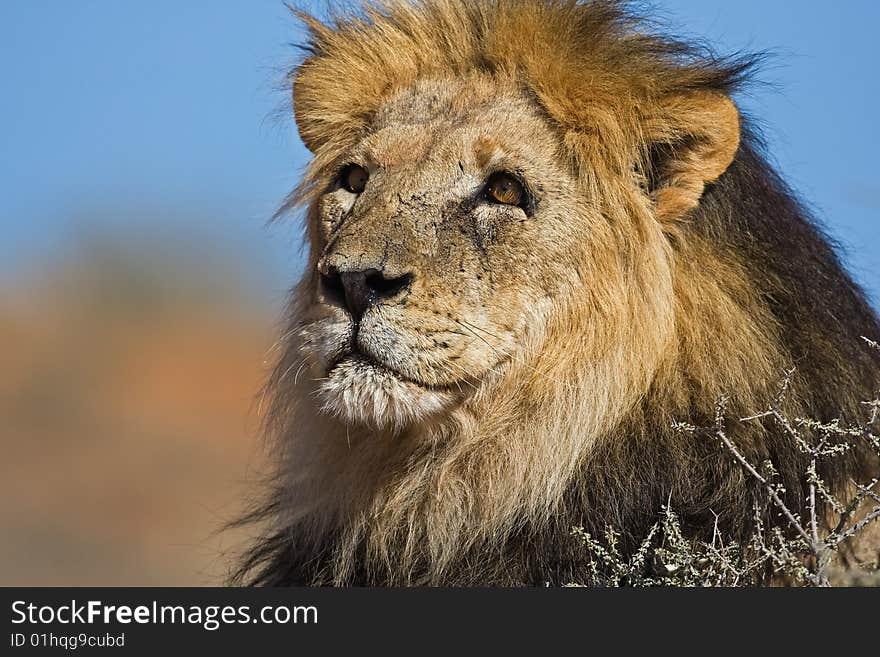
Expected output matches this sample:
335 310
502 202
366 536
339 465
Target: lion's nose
358 290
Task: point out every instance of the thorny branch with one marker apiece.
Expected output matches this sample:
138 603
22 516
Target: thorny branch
804 554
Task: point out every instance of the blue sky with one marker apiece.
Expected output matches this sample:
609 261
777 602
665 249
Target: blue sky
157 120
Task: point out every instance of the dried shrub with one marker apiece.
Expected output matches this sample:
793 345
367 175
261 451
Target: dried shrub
784 548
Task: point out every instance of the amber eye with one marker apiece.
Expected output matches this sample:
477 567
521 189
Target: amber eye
354 178
504 188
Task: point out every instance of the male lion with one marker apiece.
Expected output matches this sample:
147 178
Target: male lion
539 235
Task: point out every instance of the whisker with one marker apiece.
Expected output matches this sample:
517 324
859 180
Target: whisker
278 342
299 362
480 328
474 333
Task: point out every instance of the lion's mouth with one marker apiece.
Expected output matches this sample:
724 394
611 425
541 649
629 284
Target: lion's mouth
358 359
360 390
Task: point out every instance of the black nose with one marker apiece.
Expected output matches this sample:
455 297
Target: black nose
358 290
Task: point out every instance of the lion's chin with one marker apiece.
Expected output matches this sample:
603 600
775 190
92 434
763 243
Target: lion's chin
360 391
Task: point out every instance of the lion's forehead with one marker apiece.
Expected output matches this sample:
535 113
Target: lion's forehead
429 99
452 122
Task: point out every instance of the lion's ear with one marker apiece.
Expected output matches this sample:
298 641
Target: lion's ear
336 88
314 108
315 87
323 101
692 140
301 115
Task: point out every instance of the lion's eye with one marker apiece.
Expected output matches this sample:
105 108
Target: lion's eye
504 188
354 178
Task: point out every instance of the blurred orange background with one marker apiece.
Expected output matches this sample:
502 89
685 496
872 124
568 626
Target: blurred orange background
144 147
127 399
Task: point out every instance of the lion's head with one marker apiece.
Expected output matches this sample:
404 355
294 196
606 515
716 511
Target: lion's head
502 218
519 264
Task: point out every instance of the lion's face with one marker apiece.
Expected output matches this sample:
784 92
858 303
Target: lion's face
439 241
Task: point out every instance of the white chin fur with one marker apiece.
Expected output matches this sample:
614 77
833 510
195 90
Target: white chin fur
359 392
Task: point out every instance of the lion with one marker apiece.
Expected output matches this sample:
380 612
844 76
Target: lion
539 234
